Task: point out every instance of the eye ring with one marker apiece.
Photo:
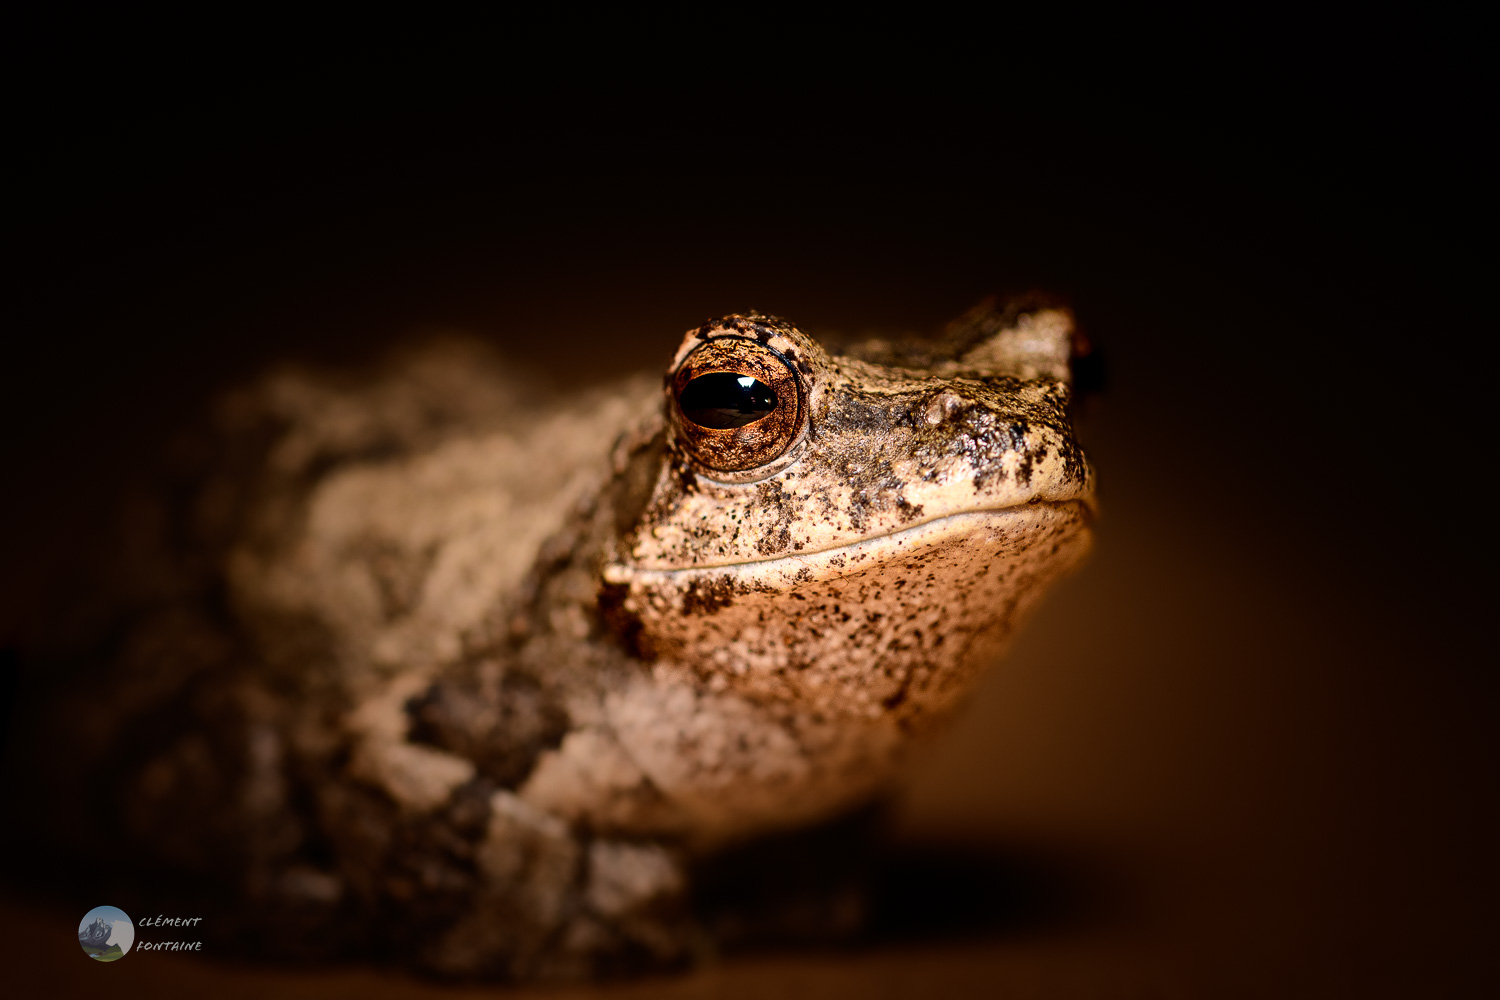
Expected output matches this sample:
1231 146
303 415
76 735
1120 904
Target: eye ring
737 404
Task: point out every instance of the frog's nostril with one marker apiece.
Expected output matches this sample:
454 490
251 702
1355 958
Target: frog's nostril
943 406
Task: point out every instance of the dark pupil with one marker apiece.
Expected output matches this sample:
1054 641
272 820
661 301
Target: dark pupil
723 399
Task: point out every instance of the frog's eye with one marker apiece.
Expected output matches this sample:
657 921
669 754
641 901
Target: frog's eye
736 404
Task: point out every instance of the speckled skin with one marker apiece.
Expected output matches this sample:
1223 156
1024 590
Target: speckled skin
843 595
472 676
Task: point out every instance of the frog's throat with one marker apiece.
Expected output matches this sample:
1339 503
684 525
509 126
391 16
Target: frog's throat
1031 522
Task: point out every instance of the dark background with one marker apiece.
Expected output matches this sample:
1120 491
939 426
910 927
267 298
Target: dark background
1262 716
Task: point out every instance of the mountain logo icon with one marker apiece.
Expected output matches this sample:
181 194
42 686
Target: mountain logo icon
106 933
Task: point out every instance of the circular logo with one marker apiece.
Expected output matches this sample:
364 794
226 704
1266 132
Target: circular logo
106 933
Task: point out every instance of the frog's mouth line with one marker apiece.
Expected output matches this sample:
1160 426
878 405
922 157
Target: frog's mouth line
931 531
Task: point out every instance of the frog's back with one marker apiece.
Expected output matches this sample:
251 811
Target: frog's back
403 510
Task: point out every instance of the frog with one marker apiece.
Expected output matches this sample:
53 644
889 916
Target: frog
441 666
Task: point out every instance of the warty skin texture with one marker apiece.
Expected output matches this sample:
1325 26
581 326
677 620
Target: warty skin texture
463 673
848 597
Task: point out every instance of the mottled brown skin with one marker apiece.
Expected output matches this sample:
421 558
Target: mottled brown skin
438 668
836 592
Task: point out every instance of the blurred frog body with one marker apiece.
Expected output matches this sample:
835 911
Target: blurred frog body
435 658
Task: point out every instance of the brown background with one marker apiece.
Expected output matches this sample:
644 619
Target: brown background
1254 737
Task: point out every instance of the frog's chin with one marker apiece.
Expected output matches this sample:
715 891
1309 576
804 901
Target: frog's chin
984 530
886 626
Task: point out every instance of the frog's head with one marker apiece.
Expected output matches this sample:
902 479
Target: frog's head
856 533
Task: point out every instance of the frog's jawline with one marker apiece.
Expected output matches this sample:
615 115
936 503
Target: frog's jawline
1084 506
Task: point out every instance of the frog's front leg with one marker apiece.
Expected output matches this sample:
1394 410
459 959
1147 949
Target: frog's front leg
492 878
670 757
